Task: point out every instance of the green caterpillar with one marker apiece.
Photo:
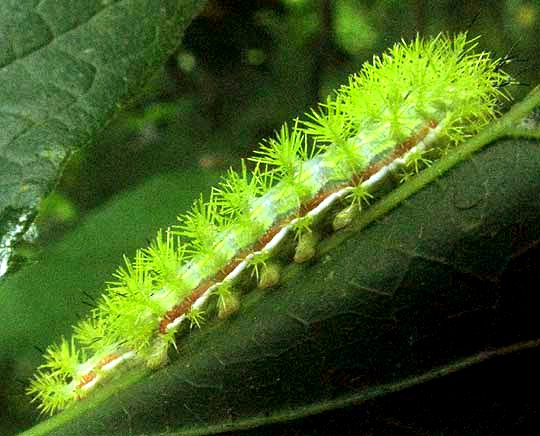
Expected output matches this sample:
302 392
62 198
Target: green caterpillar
407 107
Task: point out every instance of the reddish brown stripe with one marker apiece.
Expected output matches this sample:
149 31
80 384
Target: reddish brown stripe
358 178
106 360
178 310
319 198
86 378
91 375
269 235
227 269
398 152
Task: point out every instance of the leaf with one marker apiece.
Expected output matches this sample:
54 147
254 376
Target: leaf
65 68
406 299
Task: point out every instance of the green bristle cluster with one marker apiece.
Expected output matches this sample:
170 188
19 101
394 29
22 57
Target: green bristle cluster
439 82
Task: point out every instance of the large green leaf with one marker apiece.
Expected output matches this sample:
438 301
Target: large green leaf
65 69
383 308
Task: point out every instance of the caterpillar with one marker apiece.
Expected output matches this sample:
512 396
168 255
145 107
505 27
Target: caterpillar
401 111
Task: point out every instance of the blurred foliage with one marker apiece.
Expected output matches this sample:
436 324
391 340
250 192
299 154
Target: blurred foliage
246 66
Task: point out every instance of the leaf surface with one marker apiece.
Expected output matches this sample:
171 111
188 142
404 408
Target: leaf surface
65 68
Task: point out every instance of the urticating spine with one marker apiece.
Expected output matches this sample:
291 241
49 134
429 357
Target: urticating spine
417 98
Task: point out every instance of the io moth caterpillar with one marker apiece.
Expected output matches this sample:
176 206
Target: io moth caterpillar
403 110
